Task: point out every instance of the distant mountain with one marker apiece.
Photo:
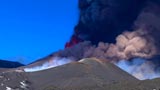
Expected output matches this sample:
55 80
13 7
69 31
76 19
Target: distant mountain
9 64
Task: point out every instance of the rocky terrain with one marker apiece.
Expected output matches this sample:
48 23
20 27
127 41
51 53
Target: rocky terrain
87 74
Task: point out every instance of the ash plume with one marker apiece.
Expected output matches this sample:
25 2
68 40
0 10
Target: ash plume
139 39
133 28
104 20
119 31
133 33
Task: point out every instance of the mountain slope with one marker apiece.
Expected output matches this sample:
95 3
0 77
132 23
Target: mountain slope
75 75
87 74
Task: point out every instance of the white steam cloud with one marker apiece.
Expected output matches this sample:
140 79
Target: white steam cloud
139 68
50 64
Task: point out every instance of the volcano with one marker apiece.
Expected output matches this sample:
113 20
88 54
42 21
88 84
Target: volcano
87 74
115 46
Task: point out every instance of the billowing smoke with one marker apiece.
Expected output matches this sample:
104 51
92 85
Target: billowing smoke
133 44
56 61
103 20
128 45
139 68
125 32
133 26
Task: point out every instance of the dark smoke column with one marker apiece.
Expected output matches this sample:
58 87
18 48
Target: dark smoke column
103 20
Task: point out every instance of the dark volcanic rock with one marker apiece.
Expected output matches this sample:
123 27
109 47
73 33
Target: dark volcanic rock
9 64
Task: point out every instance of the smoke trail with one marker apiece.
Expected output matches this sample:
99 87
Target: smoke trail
139 68
47 65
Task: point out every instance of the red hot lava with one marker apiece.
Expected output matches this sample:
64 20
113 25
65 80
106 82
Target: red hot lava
74 40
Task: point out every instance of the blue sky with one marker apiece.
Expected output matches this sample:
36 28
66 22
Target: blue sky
32 29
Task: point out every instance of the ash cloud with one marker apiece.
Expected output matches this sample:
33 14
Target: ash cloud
128 45
104 20
143 41
131 25
120 31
